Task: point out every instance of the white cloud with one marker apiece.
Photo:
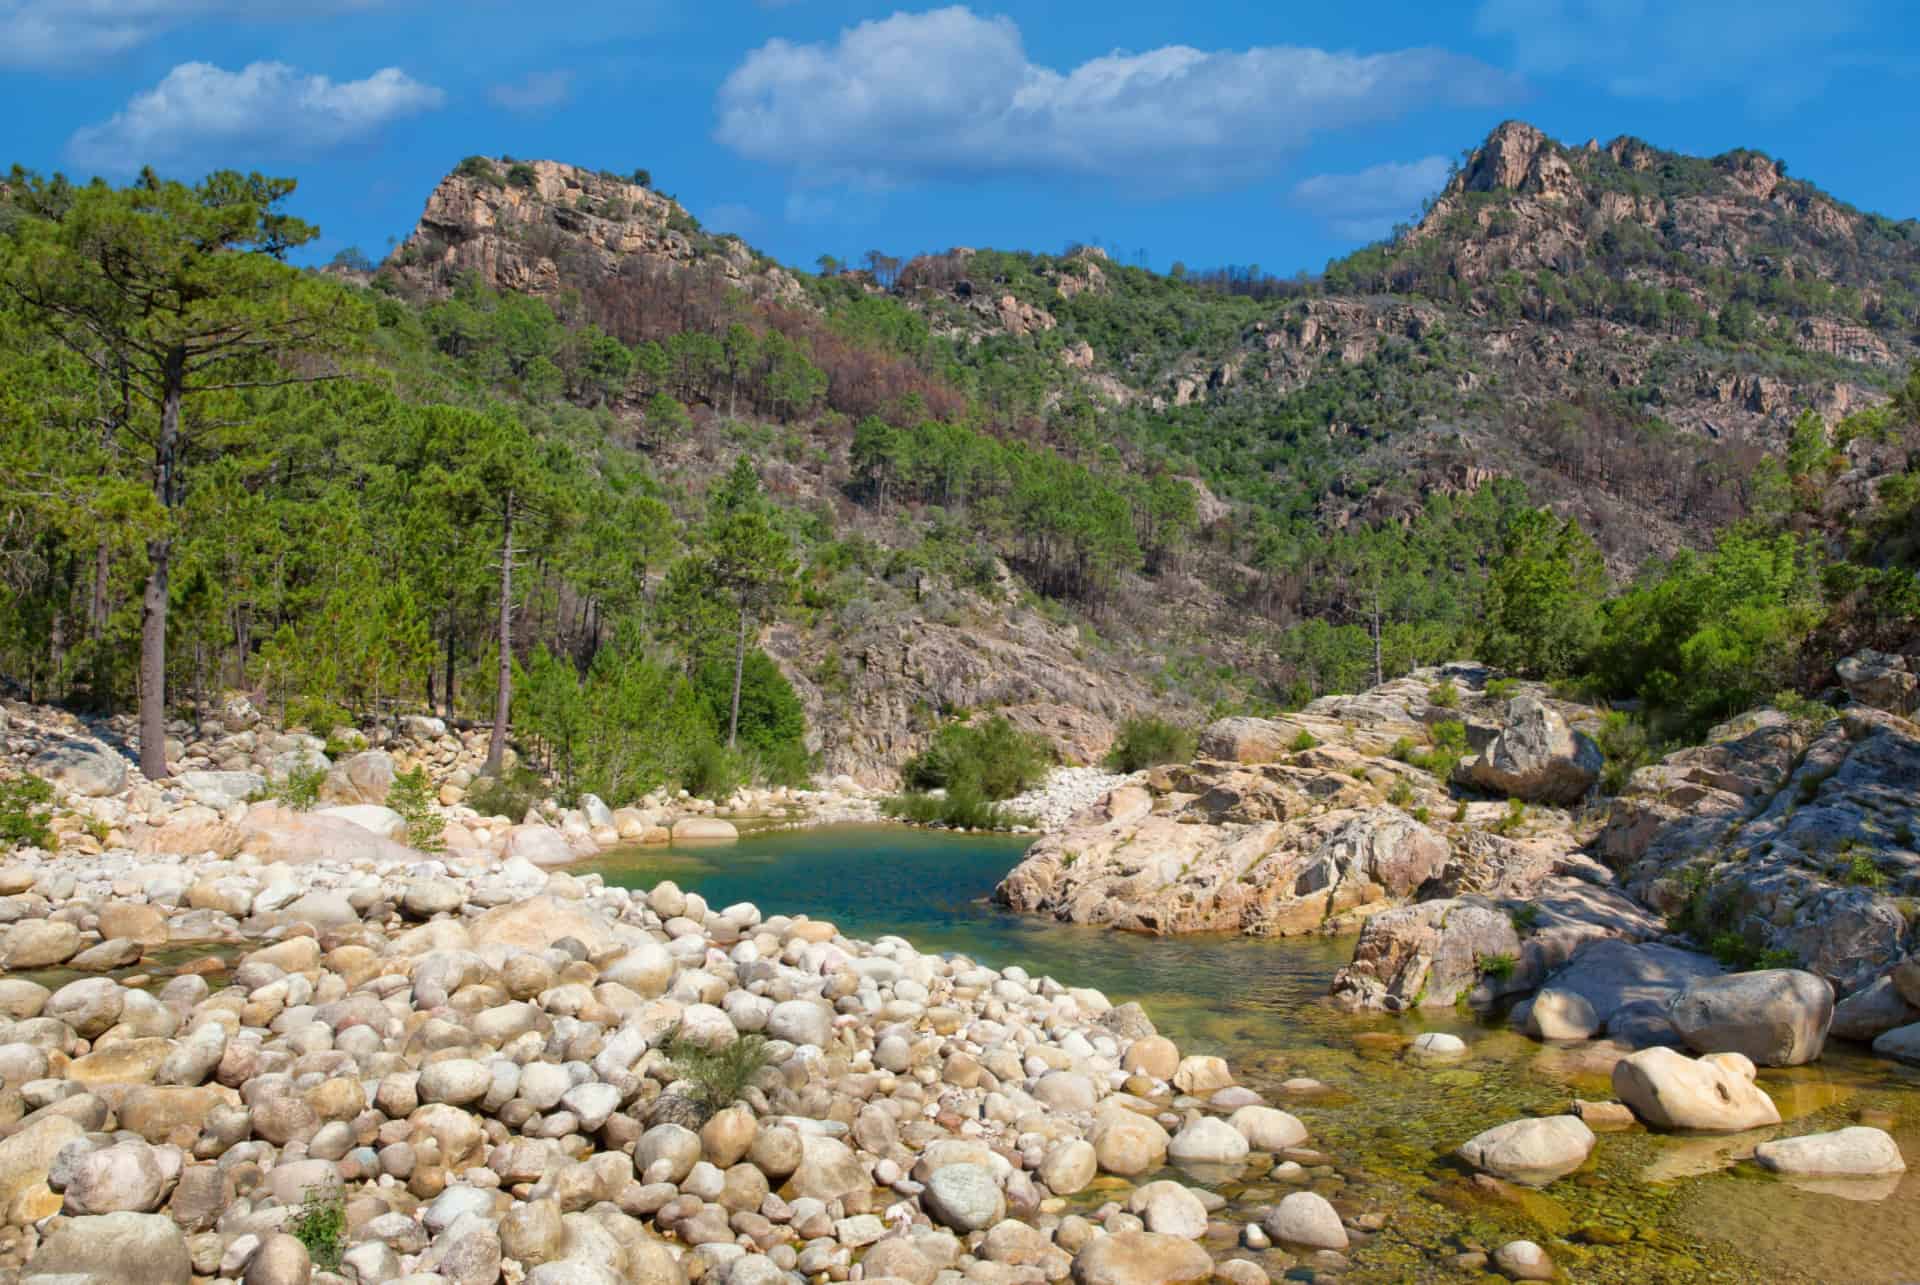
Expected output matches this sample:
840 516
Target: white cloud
58 33
949 94
537 91
200 109
1772 52
1366 206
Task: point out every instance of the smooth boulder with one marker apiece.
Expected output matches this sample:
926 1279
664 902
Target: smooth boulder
1531 1152
1141 1258
1712 1094
1305 1219
1855 1152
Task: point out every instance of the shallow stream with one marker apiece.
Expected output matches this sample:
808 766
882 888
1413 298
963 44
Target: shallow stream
1647 1208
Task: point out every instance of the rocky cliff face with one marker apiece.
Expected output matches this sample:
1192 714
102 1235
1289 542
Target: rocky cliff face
874 697
541 226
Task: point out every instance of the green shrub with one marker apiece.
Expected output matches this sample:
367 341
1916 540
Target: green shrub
1499 967
1624 744
1449 736
479 167
1148 741
1862 870
300 789
521 175
1420 814
1401 794
993 759
1304 741
510 796
321 1224
1804 710
317 714
1525 916
1444 694
1502 689
25 803
1460 810
1449 739
713 771
719 1076
411 798
961 808
772 721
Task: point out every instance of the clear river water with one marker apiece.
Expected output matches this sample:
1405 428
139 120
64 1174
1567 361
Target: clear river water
1647 1208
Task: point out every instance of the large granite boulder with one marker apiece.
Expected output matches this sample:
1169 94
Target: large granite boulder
1427 955
1777 1017
1536 757
366 777
1880 679
81 767
1872 1011
1625 982
1248 740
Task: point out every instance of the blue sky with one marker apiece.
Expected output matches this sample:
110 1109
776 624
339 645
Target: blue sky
1274 133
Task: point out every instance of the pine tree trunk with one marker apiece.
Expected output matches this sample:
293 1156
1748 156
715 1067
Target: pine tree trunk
739 669
448 691
153 603
97 616
1378 678
503 692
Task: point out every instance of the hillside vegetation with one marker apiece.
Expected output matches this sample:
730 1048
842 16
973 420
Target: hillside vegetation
1606 415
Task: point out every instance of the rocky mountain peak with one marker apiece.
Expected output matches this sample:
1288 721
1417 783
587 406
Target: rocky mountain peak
541 226
1519 158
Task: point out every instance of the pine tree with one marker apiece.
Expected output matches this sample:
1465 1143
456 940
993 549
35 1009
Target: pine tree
176 294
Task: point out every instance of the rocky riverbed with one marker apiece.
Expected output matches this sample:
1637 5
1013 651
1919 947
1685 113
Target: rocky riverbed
470 1053
224 1025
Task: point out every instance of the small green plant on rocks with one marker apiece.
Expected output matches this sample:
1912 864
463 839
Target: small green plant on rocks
25 802
1444 694
1401 794
1501 689
1861 869
1499 967
716 1077
1305 741
321 1224
300 789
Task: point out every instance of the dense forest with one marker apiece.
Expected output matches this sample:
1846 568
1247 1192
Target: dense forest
572 513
